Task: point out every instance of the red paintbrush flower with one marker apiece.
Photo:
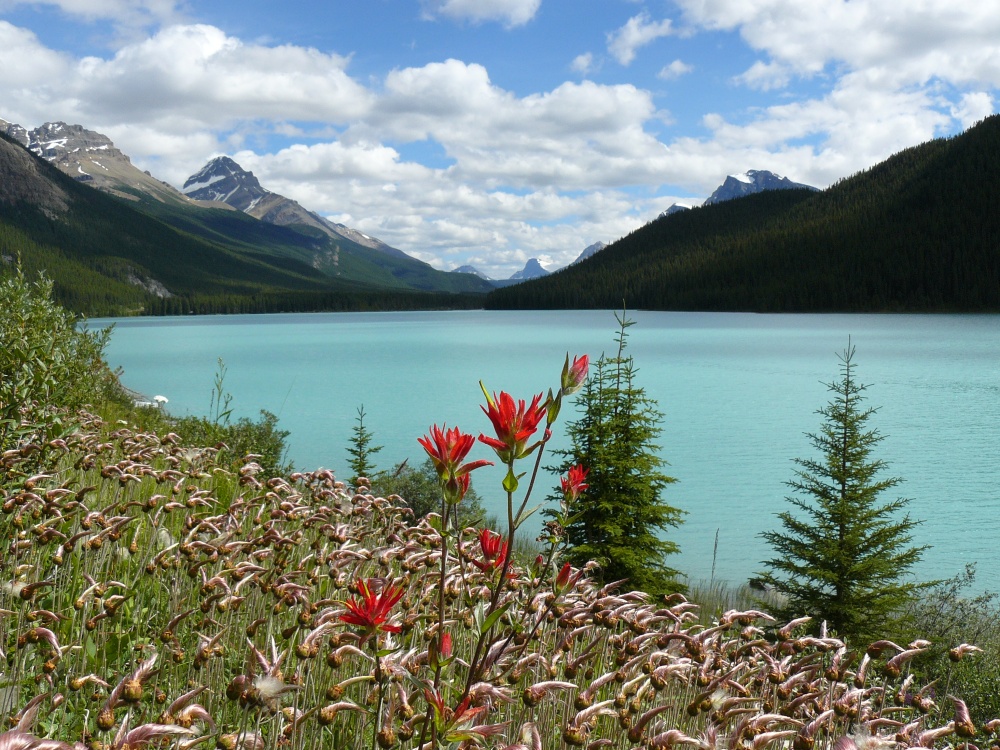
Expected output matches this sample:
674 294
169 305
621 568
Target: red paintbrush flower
447 449
494 549
572 484
514 423
371 611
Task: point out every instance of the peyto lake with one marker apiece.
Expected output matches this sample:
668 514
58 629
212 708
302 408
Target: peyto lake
738 392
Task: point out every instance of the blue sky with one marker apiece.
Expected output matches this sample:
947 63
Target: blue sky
493 131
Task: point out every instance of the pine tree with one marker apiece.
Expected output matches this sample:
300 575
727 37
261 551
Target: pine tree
618 520
361 449
846 558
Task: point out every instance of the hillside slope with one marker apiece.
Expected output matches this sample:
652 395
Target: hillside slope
106 258
918 232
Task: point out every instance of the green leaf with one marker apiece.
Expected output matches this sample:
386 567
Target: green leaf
492 619
525 514
510 481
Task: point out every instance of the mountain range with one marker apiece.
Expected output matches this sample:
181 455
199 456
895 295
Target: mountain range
533 269
298 253
917 232
741 185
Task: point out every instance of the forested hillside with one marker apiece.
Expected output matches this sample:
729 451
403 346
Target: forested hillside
918 232
107 258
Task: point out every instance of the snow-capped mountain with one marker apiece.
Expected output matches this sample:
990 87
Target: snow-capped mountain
91 158
473 270
676 208
532 270
590 250
749 182
222 180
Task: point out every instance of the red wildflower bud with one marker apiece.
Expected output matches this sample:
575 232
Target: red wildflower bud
575 375
566 578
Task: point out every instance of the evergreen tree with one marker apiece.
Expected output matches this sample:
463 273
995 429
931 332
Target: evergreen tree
847 557
361 449
618 520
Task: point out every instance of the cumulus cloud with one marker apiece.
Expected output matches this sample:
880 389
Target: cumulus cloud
579 135
639 31
676 69
972 108
26 65
509 12
957 42
181 80
763 76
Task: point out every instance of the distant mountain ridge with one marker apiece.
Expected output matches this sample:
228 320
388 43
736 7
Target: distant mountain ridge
225 181
92 158
739 186
918 232
122 249
750 182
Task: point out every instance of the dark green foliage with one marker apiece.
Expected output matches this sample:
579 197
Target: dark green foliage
361 448
420 489
48 366
619 519
948 614
260 437
846 557
918 232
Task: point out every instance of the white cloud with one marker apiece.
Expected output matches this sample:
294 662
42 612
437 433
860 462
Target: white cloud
676 69
910 43
763 76
583 63
509 12
973 107
27 67
127 17
182 80
639 31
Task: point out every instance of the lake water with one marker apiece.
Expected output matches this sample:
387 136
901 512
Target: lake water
738 392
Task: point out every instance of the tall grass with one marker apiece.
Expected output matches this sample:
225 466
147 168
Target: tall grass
150 595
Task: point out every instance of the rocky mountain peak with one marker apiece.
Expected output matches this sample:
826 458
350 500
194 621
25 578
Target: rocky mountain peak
222 179
749 182
473 270
56 141
89 157
532 270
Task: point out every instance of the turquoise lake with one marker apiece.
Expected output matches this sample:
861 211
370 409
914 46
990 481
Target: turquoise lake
738 393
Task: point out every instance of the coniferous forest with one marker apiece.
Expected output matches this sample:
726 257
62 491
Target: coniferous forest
918 232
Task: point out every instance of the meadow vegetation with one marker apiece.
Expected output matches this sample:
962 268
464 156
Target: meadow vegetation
158 593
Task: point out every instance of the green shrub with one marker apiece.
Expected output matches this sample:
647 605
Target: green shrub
49 366
420 489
